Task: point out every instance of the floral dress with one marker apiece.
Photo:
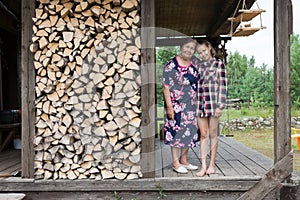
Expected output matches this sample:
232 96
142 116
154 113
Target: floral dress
182 83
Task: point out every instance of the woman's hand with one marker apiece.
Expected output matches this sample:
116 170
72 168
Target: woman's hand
170 112
218 112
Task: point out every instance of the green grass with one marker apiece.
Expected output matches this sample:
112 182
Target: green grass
263 142
229 114
160 111
295 112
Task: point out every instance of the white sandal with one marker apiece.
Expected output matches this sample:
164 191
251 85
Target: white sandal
181 170
190 167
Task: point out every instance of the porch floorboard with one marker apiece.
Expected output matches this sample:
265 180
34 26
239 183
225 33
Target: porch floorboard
233 160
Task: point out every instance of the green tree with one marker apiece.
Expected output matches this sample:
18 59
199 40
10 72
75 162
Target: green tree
236 69
295 69
249 82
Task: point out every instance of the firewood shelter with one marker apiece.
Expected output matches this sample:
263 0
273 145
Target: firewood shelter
82 74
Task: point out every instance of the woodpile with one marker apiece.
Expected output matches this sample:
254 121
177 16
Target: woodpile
87 62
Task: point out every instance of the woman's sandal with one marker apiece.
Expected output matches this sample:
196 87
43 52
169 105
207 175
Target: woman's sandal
190 167
181 170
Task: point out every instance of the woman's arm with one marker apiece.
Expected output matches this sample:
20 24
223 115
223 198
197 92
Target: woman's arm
168 102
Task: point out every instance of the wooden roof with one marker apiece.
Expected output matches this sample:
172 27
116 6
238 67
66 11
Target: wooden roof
196 17
174 17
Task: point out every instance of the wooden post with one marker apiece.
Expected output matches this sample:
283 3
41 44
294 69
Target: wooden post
27 91
1 95
282 111
148 87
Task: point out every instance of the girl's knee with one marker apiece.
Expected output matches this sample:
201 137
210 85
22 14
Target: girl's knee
213 137
203 136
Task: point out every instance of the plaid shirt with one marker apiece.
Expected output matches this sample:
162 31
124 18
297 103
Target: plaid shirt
212 87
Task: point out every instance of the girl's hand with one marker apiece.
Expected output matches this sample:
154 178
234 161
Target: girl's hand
218 112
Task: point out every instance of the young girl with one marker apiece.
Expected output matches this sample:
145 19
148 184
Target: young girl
212 91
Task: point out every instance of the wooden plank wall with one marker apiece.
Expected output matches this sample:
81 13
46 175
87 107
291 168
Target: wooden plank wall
1 96
27 90
148 87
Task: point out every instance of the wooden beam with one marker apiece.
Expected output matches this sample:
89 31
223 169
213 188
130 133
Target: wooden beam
282 108
271 180
148 87
1 90
27 91
169 184
163 42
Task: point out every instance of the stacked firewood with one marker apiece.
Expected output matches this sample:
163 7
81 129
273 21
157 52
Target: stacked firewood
87 63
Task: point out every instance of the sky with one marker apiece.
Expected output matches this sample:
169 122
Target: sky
260 44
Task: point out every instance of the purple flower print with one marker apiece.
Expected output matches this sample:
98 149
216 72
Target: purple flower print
177 108
168 136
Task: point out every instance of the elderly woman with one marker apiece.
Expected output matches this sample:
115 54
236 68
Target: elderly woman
180 96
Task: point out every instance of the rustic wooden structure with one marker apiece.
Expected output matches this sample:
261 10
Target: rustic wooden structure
245 15
61 34
238 169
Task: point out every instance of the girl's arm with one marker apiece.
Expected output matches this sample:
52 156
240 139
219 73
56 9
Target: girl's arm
222 95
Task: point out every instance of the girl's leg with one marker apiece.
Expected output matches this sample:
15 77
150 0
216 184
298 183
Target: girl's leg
213 136
203 125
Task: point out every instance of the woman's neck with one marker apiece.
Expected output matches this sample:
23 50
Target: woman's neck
183 62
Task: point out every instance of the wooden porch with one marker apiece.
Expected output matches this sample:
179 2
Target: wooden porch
238 169
233 160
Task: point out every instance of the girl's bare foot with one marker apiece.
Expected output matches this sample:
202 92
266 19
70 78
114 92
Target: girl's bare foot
201 173
210 170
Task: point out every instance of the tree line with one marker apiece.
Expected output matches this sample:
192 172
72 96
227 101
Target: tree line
246 81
